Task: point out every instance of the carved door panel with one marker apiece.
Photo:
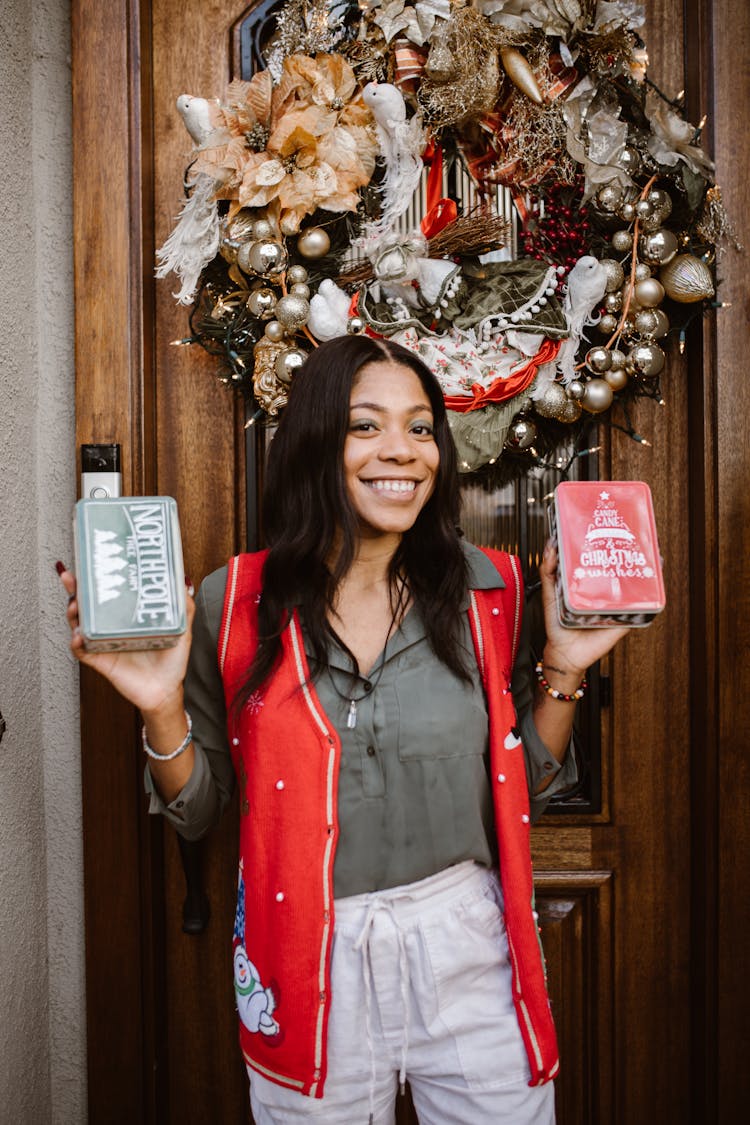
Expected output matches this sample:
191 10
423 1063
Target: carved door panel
613 876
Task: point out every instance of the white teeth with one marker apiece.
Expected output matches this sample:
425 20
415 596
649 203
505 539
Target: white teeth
392 485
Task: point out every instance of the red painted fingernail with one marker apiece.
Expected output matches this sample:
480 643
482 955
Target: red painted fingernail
188 581
60 567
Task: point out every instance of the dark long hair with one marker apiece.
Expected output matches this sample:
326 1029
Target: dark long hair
308 517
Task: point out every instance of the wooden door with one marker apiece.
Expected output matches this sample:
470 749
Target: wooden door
637 911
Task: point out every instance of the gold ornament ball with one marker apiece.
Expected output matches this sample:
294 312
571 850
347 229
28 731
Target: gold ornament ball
647 359
616 378
570 413
613 302
275 331
622 241
628 326
618 358
288 364
521 434
576 389
262 302
552 402
642 271
300 290
355 325
598 359
267 257
615 273
313 243
607 324
687 279
659 247
297 275
649 292
292 311
597 396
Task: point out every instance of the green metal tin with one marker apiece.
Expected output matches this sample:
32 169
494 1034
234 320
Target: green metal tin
131 578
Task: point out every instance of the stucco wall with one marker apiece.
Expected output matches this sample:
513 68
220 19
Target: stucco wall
42 1038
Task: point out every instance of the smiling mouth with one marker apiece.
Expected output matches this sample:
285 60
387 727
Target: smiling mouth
392 487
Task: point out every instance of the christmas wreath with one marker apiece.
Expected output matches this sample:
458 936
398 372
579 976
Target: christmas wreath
357 183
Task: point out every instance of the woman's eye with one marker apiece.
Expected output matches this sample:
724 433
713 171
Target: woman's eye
422 429
362 427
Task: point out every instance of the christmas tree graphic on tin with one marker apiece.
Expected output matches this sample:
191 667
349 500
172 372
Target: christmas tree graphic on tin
109 563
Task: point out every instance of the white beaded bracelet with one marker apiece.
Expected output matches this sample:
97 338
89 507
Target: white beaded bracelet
175 753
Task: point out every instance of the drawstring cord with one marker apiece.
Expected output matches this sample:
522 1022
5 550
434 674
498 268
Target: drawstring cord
362 944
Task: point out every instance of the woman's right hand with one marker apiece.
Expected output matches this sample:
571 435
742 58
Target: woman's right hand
151 679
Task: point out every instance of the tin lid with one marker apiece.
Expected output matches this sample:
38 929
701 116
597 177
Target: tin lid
608 548
129 568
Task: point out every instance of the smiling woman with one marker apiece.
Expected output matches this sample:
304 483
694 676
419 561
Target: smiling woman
367 679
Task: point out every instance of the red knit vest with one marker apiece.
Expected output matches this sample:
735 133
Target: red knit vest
286 755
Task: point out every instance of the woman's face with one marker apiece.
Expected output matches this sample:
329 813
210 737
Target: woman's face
390 455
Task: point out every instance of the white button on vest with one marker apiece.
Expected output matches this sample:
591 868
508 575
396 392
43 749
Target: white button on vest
495 611
235 742
501 777
280 896
279 784
525 818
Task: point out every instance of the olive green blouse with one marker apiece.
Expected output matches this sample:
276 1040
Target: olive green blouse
414 795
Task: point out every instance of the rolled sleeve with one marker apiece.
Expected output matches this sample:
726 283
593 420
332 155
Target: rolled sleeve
200 803
541 765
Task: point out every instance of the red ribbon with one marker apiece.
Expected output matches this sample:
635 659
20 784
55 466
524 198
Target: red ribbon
440 210
500 390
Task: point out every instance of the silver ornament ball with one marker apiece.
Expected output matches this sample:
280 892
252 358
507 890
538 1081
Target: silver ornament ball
661 201
646 322
622 241
615 273
597 397
313 243
642 271
649 292
262 229
609 196
576 390
275 331
607 324
288 364
297 275
355 325
647 359
262 302
658 247
629 160
662 324
598 359
618 358
616 378
521 434
300 290
267 257
613 302
570 412
626 211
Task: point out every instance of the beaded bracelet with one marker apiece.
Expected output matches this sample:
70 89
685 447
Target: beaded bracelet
561 695
175 753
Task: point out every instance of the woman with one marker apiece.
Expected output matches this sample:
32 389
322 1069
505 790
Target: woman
359 676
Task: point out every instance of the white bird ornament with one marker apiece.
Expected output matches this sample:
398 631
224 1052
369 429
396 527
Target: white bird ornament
402 141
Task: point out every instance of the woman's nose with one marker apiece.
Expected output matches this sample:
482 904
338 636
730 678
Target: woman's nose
395 446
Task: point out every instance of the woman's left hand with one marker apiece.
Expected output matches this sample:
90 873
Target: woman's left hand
571 651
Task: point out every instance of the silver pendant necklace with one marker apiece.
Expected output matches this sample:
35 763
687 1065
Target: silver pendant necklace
353 700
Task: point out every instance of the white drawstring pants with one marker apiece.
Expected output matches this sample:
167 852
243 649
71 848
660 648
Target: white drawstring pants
421 989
